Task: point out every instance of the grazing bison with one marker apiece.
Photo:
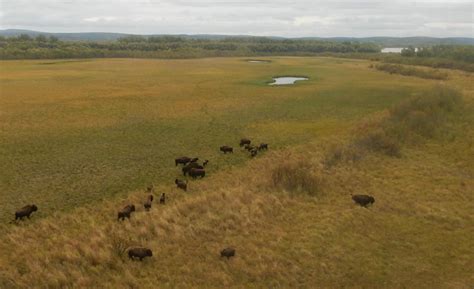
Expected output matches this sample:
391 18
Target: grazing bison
139 253
363 200
182 160
193 160
263 146
228 252
125 212
226 149
195 172
190 166
148 202
26 211
181 184
162 199
205 163
249 147
244 141
253 152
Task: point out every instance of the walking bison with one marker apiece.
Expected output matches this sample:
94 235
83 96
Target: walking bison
363 200
26 211
226 149
125 212
228 252
139 252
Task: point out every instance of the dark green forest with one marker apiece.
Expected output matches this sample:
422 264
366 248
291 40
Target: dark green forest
43 47
50 47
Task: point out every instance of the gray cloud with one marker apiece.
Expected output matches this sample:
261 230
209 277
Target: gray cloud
256 17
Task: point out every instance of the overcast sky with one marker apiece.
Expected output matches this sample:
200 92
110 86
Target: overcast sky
253 17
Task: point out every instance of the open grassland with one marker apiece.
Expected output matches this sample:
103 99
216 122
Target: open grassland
76 132
83 154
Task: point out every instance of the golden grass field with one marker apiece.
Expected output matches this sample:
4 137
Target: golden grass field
80 139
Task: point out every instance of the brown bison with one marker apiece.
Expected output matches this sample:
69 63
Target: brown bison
263 146
125 212
249 147
228 252
26 211
190 166
363 200
226 149
182 160
193 160
181 184
205 163
244 141
253 152
162 199
148 202
139 253
195 172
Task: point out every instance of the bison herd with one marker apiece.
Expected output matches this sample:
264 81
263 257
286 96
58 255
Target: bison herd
192 168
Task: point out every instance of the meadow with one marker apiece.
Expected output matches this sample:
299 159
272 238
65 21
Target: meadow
80 138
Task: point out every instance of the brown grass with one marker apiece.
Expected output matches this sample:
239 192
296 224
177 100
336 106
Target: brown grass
289 216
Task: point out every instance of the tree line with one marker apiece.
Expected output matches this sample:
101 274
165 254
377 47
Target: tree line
50 47
43 47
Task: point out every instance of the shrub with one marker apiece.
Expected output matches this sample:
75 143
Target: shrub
297 176
339 153
412 71
417 116
380 141
424 114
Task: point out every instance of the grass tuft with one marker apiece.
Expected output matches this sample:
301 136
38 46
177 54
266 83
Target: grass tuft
298 175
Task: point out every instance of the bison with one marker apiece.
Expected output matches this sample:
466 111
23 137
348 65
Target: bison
363 200
125 212
26 211
226 149
193 160
190 166
228 252
162 199
182 160
263 146
253 152
195 172
249 147
181 184
244 141
205 163
148 202
139 253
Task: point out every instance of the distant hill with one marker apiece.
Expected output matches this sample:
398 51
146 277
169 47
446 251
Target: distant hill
383 41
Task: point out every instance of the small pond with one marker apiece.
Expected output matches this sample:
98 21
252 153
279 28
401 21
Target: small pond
285 80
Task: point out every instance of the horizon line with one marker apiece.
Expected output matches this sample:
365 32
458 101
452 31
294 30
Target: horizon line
234 35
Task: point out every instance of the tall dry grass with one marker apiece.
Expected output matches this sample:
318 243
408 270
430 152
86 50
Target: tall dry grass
423 116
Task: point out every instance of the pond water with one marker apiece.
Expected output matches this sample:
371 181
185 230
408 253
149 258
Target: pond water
285 80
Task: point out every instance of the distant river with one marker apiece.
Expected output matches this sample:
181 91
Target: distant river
394 49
